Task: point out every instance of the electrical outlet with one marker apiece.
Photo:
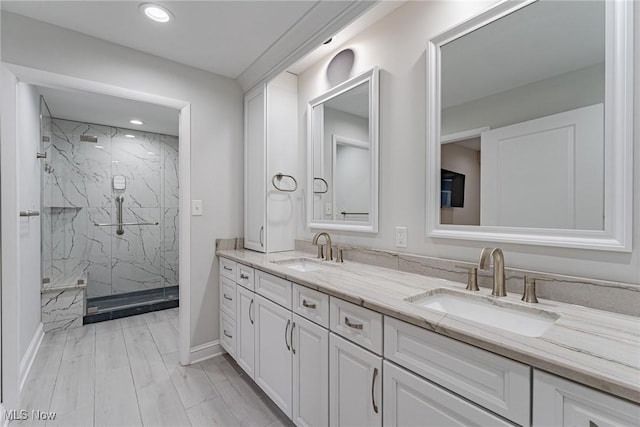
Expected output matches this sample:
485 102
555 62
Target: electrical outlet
401 237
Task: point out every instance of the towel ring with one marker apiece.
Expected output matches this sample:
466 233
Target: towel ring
279 177
325 183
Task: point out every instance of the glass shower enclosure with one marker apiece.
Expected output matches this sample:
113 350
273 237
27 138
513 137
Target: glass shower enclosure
110 215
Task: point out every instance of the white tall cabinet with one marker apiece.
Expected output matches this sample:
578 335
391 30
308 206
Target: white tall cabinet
271 136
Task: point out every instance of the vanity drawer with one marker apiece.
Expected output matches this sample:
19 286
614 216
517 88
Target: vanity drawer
228 334
311 304
228 296
359 324
274 288
244 276
499 384
228 268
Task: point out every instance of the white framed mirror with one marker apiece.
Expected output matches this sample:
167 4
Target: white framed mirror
530 126
342 151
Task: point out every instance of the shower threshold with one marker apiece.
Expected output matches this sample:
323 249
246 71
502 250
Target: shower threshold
112 307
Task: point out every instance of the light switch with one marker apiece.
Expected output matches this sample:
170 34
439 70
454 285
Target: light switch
196 207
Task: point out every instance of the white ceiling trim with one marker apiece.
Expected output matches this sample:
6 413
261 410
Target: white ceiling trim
313 29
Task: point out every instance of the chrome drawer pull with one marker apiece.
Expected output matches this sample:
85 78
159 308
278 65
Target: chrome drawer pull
293 325
250 305
373 384
306 304
226 297
244 276
227 268
227 334
352 325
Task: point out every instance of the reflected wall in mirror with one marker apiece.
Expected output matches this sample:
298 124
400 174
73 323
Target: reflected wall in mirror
529 105
343 156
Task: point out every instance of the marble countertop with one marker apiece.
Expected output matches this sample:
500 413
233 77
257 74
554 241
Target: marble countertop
597 348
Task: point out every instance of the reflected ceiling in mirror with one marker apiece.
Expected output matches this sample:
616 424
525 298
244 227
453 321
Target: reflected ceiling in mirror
522 103
343 152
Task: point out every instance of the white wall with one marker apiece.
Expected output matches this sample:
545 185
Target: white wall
565 92
216 134
28 137
397 44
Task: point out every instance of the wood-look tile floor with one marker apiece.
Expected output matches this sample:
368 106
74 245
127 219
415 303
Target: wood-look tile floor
125 372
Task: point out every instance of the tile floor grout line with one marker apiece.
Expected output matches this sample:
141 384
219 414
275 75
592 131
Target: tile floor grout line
55 382
135 389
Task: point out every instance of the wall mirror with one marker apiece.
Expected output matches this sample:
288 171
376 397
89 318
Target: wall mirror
529 126
342 180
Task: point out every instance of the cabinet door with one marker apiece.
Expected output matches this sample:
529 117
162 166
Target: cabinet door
355 385
559 402
413 401
255 170
245 326
273 371
310 348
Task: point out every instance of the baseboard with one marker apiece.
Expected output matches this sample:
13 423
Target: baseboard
205 351
30 355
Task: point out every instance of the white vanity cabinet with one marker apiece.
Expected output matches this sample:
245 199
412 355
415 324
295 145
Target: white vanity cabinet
245 327
270 125
227 297
490 381
355 372
273 333
560 402
355 385
310 348
411 401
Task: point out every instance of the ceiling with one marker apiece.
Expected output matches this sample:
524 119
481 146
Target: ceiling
540 41
244 40
94 108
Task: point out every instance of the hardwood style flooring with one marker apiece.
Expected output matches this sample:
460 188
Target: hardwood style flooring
125 372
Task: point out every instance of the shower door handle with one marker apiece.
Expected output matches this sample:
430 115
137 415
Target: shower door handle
119 201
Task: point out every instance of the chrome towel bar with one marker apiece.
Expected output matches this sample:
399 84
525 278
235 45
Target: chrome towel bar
29 213
118 224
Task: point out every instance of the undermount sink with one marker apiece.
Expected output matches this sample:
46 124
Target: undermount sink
302 264
491 311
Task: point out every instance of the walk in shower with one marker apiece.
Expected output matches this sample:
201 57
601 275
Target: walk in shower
110 215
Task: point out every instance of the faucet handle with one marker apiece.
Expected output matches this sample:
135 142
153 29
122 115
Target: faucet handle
339 254
529 294
472 277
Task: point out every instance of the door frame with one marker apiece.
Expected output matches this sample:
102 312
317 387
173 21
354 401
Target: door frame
10 315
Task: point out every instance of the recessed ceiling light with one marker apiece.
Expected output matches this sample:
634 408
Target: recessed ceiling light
130 136
328 41
155 12
136 122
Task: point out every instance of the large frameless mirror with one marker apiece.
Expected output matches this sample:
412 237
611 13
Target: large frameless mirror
343 156
529 126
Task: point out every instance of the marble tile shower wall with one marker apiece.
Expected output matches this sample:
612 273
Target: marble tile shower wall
78 193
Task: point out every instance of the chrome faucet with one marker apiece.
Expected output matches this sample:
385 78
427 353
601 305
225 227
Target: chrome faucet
328 253
498 269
